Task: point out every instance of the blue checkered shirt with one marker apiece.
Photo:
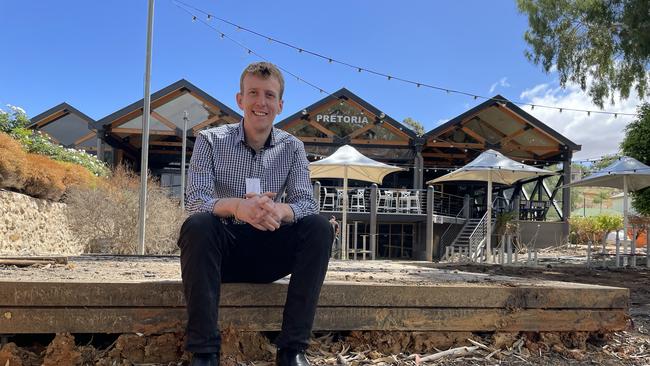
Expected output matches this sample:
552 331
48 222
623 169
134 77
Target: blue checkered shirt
221 161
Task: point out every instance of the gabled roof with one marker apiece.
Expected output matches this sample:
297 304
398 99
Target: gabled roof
57 112
179 85
500 99
344 93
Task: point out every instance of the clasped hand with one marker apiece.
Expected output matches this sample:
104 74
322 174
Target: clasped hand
260 211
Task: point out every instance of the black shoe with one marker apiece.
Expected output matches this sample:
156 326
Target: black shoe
205 359
291 357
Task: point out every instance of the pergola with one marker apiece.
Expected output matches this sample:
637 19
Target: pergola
501 125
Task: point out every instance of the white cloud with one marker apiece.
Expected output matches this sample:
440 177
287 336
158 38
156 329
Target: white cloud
503 82
599 134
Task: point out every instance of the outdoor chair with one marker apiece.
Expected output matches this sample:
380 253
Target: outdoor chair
385 201
409 201
329 199
358 202
412 202
339 198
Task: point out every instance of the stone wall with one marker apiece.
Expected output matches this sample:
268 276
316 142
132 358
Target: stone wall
30 226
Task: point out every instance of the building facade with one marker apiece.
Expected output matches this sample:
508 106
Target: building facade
345 118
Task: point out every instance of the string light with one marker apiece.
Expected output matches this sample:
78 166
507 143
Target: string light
390 77
250 51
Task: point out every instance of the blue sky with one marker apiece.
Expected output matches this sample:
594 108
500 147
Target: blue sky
91 55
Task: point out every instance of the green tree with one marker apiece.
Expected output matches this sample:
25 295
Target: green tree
414 125
16 118
605 40
605 161
635 145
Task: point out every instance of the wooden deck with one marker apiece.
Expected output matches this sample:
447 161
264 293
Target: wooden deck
130 294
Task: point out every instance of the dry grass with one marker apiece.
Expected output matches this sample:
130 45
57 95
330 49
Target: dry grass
105 217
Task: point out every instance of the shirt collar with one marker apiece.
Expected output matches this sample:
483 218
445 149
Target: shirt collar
270 141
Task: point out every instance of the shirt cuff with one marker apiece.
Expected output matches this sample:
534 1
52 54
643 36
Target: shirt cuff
298 212
208 206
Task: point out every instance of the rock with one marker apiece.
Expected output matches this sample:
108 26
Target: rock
10 355
62 351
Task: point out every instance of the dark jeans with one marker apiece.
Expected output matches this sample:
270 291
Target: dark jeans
213 253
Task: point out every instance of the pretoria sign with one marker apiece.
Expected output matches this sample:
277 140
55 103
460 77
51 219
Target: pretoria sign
332 118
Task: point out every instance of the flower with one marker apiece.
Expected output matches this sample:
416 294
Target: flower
16 109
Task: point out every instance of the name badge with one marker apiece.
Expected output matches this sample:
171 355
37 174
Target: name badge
253 185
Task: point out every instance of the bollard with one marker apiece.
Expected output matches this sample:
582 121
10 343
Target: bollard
509 248
633 247
618 250
647 246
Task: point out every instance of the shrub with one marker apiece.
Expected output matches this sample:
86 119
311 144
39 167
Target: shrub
105 217
44 178
38 175
594 228
13 161
15 124
39 143
9 121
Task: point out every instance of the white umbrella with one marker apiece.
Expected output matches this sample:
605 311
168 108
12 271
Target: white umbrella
348 163
625 173
493 167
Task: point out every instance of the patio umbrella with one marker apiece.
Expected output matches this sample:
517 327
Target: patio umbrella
348 163
625 173
493 167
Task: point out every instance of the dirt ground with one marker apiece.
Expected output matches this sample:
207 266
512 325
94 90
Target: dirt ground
630 347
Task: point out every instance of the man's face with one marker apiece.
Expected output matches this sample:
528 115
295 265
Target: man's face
260 101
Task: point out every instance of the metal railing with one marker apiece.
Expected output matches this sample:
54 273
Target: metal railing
477 239
449 235
390 200
447 204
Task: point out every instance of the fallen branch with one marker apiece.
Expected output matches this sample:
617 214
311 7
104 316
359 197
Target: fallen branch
454 352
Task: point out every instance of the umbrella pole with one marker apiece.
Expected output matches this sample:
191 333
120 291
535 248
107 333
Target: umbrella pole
344 239
625 208
488 254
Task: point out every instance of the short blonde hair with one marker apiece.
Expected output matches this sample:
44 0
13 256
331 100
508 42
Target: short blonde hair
264 70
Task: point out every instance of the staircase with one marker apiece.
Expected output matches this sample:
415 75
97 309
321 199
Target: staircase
461 243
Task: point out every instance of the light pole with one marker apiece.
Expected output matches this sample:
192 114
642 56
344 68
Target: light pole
183 158
144 157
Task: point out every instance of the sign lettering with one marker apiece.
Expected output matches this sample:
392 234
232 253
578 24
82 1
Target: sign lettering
331 118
